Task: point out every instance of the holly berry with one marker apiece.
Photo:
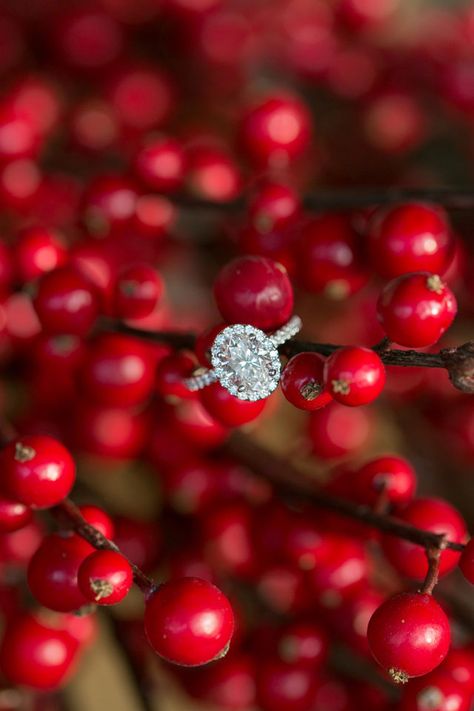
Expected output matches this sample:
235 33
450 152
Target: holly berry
416 309
285 687
302 382
275 131
38 251
336 431
437 692
254 290
354 375
138 290
13 515
53 571
390 475
466 562
171 374
35 654
105 577
160 164
411 238
409 635
228 409
66 303
96 517
37 470
189 621
433 515
303 643
329 258
118 371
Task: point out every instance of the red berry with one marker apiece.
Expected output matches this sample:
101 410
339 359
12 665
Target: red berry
53 570
65 303
302 382
189 621
329 257
254 290
160 164
285 687
118 371
409 635
273 206
109 432
336 431
393 476
276 131
303 643
13 515
411 238
196 426
36 655
436 692
96 517
141 95
467 561
171 373
227 537
416 309
212 173
138 290
228 409
108 204
459 665
341 570
229 685
354 375
105 577
37 470
38 251
433 515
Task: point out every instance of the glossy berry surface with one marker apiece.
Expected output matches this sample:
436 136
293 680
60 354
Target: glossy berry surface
302 382
66 303
394 476
38 251
188 621
430 514
13 515
411 238
283 687
437 691
138 290
227 409
416 309
275 131
98 518
36 655
160 164
37 470
304 643
53 570
171 373
256 291
409 635
105 577
354 375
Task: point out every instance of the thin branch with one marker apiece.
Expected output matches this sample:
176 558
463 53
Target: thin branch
453 198
459 361
433 555
68 510
290 482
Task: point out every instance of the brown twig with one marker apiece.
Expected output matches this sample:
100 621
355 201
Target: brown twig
290 482
459 361
68 510
433 555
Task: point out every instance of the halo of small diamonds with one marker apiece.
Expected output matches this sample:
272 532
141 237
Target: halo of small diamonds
246 362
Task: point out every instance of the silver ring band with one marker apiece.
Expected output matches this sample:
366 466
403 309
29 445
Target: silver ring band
245 360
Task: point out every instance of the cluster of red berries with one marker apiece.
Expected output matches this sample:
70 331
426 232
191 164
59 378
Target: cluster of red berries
106 152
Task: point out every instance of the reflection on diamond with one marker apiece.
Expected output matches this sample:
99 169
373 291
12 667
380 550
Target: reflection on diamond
246 362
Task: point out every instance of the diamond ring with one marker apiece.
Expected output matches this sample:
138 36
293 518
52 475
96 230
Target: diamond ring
245 360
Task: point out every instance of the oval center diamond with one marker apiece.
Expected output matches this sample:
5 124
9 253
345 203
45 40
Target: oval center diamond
246 362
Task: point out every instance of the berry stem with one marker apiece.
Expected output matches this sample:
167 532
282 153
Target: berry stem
68 510
433 554
289 482
458 361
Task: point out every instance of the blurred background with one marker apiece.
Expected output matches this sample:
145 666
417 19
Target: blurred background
388 87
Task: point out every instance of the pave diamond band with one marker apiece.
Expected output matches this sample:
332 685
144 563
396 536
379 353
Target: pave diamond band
245 360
